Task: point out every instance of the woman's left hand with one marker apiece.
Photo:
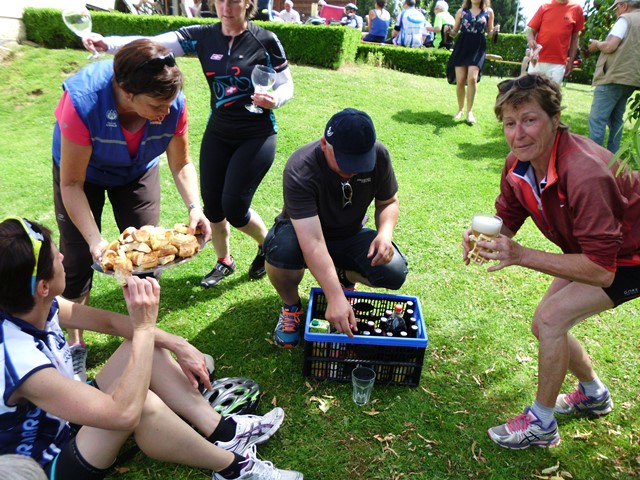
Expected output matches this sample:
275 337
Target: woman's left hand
264 100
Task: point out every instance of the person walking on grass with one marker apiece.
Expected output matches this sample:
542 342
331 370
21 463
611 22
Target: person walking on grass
75 430
474 21
568 187
328 187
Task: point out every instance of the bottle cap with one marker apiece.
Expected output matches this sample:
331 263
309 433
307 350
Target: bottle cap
399 308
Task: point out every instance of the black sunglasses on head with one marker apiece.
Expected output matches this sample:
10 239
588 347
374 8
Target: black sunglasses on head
526 82
168 60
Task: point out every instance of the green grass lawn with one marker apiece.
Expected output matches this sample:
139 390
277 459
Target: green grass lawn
481 363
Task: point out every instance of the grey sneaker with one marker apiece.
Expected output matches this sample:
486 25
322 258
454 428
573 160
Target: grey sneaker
253 430
257 469
79 359
523 431
577 403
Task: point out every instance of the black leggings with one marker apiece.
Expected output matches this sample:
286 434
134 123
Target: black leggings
230 172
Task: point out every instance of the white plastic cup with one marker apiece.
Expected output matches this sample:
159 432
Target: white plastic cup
362 379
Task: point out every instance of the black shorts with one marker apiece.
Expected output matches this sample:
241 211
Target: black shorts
625 286
70 465
282 250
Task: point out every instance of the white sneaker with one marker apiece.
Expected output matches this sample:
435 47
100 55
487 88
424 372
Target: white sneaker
79 359
262 470
253 430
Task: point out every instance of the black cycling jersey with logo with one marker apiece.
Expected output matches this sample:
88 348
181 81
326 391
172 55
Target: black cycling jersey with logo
228 72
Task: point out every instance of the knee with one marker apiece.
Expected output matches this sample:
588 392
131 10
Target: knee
535 329
392 275
153 407
545 323
236 214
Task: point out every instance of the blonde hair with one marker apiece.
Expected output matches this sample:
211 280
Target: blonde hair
20 467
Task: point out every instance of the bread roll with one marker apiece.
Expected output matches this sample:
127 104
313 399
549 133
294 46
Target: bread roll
149 261
181 228
143 247
113 246
168 250
166 259
137 257
108 260
140 235
188 250
122 268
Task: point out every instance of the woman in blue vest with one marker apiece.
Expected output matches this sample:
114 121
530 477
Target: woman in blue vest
114 120
238 146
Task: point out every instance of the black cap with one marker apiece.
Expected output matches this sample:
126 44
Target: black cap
353 137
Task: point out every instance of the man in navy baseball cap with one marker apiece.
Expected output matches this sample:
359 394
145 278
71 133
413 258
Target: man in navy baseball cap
353 137
328 186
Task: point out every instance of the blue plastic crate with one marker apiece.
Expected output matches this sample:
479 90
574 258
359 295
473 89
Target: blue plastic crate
332 356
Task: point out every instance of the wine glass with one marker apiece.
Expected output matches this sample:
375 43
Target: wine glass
263 78
78 20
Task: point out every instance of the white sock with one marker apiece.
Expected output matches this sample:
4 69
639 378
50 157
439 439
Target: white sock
544 414
595 388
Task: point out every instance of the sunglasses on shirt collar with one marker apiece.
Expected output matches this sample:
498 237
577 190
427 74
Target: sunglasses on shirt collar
37 240
347 194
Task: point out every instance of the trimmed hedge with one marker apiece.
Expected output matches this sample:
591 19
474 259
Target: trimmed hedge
322 46
317 45
430 62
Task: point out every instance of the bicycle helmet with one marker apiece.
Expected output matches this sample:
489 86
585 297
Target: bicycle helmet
234 395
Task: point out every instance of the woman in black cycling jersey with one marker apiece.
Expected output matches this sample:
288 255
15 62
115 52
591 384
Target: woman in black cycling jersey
238 147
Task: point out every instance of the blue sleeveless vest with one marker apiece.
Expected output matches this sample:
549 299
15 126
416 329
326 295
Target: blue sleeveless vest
379 27
110 164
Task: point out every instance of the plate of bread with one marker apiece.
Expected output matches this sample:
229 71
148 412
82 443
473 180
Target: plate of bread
148 250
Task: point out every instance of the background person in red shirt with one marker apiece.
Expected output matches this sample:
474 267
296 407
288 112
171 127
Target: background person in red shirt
556 26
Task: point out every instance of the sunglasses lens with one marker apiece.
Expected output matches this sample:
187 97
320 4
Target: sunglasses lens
168 60
505 86
524 83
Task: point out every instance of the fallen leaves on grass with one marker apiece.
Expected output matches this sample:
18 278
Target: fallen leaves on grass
554 473
478 457
582 435
523 358
324 404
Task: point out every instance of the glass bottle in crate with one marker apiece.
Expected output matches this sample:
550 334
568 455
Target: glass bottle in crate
397 323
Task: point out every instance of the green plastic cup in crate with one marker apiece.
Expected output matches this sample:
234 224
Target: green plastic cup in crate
332 356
